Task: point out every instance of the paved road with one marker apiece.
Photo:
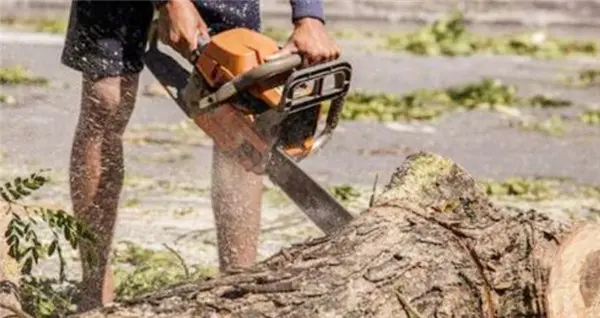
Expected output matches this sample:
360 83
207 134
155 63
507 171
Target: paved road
39 128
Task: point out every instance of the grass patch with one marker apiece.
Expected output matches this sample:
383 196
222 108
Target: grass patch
19 75
531 189
427 104
538 188
590 117
185 132
169 156
449 36
586 78
345 193
46 25
277 34
275 198
151 270
7 99
554 126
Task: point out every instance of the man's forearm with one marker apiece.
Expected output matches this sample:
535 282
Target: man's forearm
307 9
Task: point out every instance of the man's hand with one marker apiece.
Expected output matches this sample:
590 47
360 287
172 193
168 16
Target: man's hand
311 40
180 25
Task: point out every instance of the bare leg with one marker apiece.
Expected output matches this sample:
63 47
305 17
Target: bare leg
96 175
236 202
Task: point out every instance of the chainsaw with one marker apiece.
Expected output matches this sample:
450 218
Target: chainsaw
265 113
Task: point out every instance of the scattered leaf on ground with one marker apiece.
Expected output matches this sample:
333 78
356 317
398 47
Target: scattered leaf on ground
149 270
277 34
538 188
426 104
46 25
449 36
7 99
590 117
554 126
345 193
19 75
585 78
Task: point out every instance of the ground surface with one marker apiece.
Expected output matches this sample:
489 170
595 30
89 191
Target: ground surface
167 176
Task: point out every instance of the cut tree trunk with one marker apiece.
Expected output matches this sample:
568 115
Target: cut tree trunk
432 245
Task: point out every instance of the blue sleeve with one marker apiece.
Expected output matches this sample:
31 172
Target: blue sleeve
307 8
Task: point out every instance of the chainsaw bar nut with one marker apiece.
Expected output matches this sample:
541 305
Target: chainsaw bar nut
194 91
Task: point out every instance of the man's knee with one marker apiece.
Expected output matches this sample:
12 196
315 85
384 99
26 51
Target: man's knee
107 103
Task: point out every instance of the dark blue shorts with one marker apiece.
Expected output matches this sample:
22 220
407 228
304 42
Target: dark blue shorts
108 38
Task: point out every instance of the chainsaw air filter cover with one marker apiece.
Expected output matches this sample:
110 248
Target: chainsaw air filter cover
235 52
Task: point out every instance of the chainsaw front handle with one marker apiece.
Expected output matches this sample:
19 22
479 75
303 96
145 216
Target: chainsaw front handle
341 72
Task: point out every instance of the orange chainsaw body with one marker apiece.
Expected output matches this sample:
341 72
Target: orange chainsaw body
235 52
227 55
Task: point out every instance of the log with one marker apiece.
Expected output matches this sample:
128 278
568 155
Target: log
431 245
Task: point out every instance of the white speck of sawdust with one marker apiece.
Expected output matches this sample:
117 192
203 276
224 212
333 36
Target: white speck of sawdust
423 129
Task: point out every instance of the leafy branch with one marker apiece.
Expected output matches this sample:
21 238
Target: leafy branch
25 243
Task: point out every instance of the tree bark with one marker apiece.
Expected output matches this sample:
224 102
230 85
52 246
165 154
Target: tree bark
432 245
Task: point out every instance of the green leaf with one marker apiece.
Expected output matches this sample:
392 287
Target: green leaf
27 266
5 196
16 216
36 255
13 251
52 247
19 231
8 231
11 240
15 195
68 235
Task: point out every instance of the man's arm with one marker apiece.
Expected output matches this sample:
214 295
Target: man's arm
180 25
307 9
309 38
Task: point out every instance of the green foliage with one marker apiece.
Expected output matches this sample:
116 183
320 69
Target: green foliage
538 188
590 117
152 270
7 99
589 77
58 26
345 193
523 188
27 247
426 104
48 297
554 126
277 34
449 36
18 75
276 198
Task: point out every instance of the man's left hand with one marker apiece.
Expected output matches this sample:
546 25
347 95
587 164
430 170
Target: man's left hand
312 41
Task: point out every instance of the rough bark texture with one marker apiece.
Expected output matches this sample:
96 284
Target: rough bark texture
432 245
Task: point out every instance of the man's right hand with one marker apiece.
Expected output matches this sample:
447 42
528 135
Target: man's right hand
180 25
